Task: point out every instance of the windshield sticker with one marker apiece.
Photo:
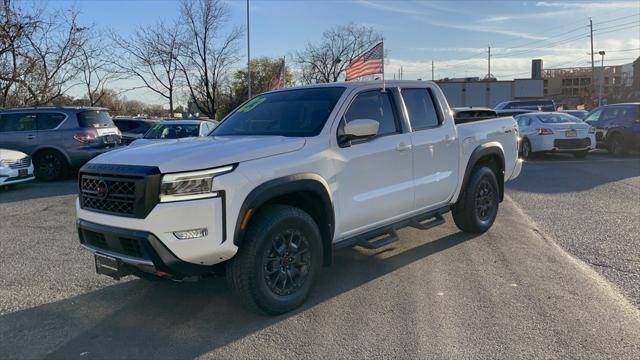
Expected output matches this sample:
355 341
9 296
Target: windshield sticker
252 104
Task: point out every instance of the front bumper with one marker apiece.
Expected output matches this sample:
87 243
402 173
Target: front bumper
167 218
12 176
138 251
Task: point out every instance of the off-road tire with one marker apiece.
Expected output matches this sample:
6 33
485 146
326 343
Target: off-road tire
248 271
481 191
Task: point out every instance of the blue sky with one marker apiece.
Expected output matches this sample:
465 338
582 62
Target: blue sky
455 34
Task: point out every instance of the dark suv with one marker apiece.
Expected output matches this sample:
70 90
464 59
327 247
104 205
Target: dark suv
58 138
617 127
539 105
133 128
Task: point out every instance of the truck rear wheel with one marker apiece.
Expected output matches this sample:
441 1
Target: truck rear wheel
477 208
278 261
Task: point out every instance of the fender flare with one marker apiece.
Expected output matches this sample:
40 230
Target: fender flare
487 149
52 147
305 182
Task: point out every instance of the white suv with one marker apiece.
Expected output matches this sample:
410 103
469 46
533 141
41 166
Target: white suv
15 167
286 178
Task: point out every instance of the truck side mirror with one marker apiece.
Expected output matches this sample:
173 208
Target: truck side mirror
359 129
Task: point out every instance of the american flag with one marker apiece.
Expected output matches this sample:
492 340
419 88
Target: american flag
278 80
369 63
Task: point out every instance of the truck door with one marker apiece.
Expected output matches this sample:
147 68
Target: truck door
375 175
435 149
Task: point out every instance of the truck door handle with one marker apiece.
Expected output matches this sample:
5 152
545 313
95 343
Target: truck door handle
31 137
448 139
403 147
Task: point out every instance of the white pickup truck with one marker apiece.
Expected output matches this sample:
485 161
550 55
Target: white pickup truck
288 177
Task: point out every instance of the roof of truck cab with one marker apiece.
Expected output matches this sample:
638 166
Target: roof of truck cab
357 84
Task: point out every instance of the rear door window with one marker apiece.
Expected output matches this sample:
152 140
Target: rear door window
48 121
594 116
421 108
124 125
374 105
17 122
94 119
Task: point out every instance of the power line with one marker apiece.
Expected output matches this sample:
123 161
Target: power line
625 28
618 25
616 19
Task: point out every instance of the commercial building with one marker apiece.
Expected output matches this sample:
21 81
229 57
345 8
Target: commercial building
579 86
488 92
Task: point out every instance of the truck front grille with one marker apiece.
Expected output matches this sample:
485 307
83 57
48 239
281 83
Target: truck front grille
106 194
120 190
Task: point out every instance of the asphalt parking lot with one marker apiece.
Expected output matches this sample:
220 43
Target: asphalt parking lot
556 277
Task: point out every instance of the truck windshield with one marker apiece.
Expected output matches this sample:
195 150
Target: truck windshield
295 113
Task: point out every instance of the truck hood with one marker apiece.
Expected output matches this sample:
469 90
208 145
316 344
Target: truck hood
200 152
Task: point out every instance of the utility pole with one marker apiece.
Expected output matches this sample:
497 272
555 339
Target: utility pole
489 63
593 67
248 55
602 53
431 70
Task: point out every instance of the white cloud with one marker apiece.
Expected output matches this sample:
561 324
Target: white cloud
501 18
381 6
484 28
591 5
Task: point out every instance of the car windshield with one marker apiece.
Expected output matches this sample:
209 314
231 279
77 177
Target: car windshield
172 131
557 118
296 113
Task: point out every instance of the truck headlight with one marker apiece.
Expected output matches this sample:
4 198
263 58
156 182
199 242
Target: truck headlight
190 185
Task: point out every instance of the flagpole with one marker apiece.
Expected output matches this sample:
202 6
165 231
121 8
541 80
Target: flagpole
383 81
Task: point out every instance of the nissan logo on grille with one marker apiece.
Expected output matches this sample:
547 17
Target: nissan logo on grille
102 189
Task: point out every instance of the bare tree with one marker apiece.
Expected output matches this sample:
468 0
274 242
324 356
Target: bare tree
52 48
206 60
150 54
96 68
327 60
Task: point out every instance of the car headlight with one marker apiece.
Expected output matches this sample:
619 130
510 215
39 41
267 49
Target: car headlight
3 163
191 185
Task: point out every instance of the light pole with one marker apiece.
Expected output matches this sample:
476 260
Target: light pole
248 56
601 77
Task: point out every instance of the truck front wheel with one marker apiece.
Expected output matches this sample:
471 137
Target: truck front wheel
278 261
477 208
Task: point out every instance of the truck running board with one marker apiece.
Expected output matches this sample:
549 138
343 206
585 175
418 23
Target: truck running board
427 223
386 235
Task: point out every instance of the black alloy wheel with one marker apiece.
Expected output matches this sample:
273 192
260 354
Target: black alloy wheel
50 165
287 261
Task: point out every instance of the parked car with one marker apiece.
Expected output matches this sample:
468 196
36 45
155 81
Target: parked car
554 132
617 127
287 177
539 105
58 138
133 128
513 112
580 114
15 167
463 115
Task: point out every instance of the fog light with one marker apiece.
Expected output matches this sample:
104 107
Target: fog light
191 234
